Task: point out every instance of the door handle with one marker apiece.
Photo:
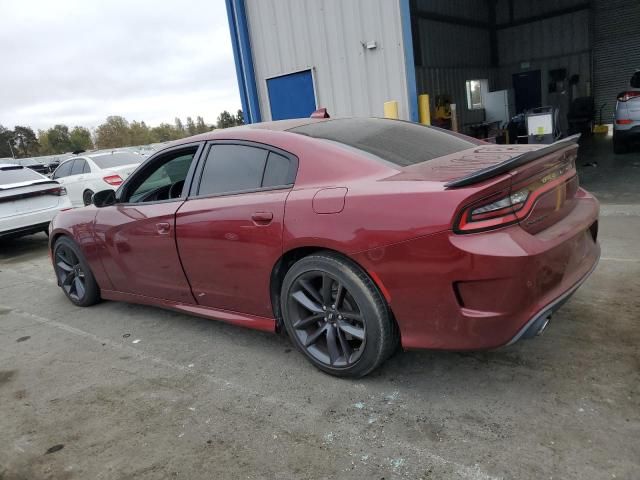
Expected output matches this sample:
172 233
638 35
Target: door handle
163 228
262 218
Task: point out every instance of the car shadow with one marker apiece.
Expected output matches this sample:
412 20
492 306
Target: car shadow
23 248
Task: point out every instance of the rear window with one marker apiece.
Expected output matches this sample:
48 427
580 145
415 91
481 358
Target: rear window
117 159
635 80
9 175
401 143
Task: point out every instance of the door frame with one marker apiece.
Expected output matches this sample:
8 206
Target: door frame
151 161
204 152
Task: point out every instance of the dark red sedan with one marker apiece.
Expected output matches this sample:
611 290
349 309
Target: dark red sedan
353 235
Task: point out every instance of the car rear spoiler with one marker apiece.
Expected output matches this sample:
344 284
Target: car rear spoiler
37 182
503 167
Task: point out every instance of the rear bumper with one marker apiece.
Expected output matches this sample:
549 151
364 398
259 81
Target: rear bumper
27 223
624 132
485 290
28 230
539 322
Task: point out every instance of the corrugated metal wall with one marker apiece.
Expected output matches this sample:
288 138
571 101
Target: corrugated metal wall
558 42
327 36
452 54
467 9
523 9
616 50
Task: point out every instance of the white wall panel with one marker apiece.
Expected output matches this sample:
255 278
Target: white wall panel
327 36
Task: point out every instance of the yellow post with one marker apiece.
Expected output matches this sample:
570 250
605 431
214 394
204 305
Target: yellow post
391 109
424 109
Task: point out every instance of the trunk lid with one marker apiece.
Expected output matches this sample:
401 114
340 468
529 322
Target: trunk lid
24 197
537 188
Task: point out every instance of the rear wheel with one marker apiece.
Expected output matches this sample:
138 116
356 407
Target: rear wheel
73 273
86 197
336 316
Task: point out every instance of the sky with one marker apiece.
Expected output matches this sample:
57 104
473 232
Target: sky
77 61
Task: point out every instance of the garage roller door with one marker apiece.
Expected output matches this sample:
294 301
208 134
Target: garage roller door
616 53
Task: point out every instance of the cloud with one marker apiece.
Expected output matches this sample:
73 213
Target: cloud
75 62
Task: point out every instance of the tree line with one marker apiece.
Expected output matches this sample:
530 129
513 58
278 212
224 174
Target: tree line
115 132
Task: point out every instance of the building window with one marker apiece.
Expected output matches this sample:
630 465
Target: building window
475 89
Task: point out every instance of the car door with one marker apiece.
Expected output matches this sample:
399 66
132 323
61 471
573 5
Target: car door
229 231
74 182
137 234
62 172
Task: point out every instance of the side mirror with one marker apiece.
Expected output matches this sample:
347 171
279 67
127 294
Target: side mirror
104 198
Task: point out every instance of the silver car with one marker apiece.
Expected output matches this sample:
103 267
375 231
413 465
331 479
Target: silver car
626 125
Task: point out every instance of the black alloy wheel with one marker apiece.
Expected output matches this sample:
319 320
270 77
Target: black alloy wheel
73 274
327 320
336 316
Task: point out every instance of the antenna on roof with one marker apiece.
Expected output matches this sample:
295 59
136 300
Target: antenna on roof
320 113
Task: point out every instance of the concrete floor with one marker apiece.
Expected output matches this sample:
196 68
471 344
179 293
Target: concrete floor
199 399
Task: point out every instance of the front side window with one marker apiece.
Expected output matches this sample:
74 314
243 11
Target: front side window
63 170
162 180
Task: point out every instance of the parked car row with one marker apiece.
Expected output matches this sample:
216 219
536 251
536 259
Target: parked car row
83 175
29 199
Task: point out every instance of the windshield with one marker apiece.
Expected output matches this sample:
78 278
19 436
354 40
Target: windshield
401 143
116 159
9 175
635 80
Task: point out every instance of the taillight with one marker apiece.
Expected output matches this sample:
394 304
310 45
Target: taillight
626 96
58 191
507 208
624 121
113 179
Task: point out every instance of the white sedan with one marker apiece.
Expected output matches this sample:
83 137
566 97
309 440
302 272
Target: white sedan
28 201
83 175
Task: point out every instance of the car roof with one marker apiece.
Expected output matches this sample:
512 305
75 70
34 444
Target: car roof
276 126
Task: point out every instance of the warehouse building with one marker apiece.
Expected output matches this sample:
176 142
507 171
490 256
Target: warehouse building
352 56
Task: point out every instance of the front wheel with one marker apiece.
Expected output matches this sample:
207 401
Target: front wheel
73 273
336 316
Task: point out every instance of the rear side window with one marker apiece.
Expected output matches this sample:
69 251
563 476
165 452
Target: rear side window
278 171
9 175
232 168
401 143
635 80
116 159
78 166
63 170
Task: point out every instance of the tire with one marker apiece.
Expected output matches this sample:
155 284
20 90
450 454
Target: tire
86 197
336 316
73 273
619 145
